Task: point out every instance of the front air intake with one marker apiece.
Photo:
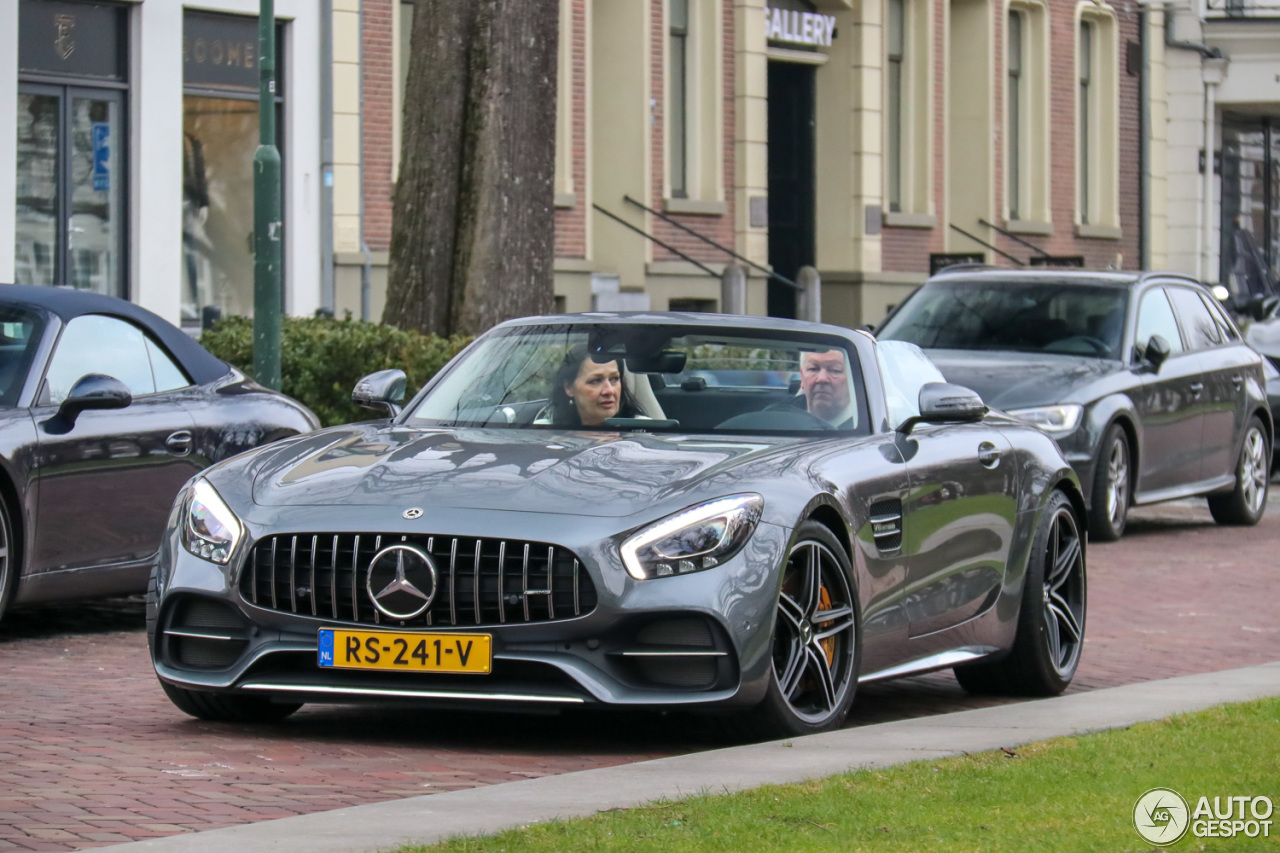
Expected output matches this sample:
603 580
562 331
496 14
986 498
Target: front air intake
478 582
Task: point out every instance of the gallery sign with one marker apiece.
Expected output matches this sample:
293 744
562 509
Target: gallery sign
798 27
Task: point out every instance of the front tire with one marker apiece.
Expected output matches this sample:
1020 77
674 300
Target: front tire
1112 481
227 708
215 707
1050 636
817 640
10 563
1245 504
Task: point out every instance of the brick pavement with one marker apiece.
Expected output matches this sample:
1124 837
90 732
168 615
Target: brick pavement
91 753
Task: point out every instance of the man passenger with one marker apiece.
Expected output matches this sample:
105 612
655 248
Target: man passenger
824 382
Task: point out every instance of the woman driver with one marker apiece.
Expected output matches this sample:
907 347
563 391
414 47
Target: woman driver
584 393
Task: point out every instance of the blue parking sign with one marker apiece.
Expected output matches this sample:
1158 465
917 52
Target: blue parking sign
101 156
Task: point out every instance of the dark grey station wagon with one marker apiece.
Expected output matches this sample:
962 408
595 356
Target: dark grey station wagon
1142 378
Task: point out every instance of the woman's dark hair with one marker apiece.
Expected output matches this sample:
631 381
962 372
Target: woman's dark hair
563 412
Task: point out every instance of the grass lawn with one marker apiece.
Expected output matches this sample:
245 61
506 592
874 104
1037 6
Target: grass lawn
1067 794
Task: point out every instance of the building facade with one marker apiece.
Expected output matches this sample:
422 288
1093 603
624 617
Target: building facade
1221 213
872 140
129 169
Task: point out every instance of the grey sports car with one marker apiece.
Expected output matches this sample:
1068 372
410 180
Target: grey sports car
571 514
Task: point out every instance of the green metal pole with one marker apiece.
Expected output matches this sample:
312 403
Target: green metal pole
268 229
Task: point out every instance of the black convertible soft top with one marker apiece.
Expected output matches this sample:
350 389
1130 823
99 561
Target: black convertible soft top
65 302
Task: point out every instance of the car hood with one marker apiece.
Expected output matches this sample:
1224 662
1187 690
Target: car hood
585 473
1015 380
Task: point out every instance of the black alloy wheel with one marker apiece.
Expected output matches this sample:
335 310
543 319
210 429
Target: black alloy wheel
1247 501
1112 486
816 645
1050 636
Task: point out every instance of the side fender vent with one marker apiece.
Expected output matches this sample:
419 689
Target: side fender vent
886 525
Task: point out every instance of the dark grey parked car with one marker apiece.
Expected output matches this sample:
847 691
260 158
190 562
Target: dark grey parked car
1141 377
106 410
739 545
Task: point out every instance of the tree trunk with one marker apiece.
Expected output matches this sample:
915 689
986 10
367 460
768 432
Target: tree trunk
473 235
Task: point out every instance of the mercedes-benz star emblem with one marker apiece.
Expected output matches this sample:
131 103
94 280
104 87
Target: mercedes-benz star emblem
401 581
412 512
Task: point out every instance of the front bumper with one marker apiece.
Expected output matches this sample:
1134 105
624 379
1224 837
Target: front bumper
693 640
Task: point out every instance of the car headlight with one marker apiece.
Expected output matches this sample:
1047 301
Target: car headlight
697 538
1057 420
209 528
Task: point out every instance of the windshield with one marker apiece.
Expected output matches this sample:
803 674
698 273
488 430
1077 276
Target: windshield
650 377
1024 316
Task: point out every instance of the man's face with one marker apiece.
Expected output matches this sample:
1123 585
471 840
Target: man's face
825 383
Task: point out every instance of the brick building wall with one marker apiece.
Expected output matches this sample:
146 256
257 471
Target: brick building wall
377 113
571 223
908 249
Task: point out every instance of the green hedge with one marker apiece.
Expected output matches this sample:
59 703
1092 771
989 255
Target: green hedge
321 359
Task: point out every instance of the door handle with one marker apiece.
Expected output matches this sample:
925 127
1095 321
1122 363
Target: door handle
1196 388
179 443
1237 381
988 454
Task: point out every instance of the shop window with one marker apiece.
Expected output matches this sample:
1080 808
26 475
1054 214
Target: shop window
694 102
219 139
908 99
71 181
1097 122
1027 117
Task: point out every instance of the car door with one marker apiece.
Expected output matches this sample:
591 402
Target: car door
1171 402
960 516
960 507
105 486
1224 365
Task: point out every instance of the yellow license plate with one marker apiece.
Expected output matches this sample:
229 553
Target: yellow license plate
397 651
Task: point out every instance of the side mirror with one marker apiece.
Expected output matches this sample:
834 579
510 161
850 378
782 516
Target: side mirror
1157 351
93 391
944 403
382 392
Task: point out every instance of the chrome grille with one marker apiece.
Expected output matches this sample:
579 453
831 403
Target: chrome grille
480 581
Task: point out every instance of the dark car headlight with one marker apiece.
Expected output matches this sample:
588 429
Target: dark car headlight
1055 420
209 528
697 538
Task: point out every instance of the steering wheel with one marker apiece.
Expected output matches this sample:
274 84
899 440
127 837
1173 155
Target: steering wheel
1067 345
808 417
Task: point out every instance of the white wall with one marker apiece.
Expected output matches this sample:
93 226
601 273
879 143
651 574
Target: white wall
8 138
1184 81
155 136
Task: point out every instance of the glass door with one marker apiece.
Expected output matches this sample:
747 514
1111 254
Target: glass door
1250 245
38 260
70 212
